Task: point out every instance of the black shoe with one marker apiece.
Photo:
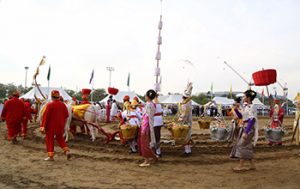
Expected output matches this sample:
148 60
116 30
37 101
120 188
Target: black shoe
159 155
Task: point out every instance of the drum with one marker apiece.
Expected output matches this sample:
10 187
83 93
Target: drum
219 131
204 123
129 132
179 132
274 134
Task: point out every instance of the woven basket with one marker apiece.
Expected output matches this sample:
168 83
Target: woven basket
128 132
179 133
204 123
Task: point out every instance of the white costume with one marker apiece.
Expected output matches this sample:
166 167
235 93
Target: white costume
134 119
185 110
158 116
113 111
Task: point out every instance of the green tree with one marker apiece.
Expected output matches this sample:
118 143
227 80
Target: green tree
99 94
10 88
2 90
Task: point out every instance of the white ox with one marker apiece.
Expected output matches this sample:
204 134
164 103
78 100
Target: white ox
92 116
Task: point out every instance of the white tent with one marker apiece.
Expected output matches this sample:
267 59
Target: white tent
173 99
47 93
224 101
119 97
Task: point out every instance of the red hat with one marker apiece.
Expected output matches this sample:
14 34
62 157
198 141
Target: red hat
16 94
126 98
55 94
276 101
74 98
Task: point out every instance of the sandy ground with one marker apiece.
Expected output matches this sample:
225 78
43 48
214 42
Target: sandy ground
99 165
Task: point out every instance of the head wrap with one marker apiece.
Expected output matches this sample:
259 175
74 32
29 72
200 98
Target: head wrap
126 98
188 90
55 94
136 98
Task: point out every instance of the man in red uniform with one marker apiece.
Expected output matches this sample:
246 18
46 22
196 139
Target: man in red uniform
13 113
53 124
28 110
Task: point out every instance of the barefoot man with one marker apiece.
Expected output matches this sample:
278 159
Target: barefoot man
53 123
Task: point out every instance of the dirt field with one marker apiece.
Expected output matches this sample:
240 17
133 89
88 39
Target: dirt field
99 165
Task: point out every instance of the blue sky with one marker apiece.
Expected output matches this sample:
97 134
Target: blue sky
80 35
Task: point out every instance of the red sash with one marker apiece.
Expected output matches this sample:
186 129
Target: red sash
158 114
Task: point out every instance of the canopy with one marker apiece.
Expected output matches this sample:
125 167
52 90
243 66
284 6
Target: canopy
47 93
173 99
119 97
223 101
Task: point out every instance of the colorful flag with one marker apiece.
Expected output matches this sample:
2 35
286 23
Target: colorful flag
49 73
43 61
92 77
128 79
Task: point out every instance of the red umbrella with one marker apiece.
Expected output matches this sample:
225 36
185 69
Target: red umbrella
264 77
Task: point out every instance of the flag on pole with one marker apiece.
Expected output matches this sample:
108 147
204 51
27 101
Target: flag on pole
263 95
128 79
212 88
92 77
49 73
230 91
43 61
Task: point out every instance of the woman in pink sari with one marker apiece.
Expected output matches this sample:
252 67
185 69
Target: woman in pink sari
146 134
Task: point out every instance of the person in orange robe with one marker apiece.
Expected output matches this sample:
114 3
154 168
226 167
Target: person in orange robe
28 117
13 113
53 124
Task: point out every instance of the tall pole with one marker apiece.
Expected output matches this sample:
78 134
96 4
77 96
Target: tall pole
26 71
110 69
158 53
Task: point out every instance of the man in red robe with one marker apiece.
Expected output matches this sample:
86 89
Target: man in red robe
13 113
276 115
53 124
28 117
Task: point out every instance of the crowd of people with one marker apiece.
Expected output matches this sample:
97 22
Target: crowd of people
146 120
